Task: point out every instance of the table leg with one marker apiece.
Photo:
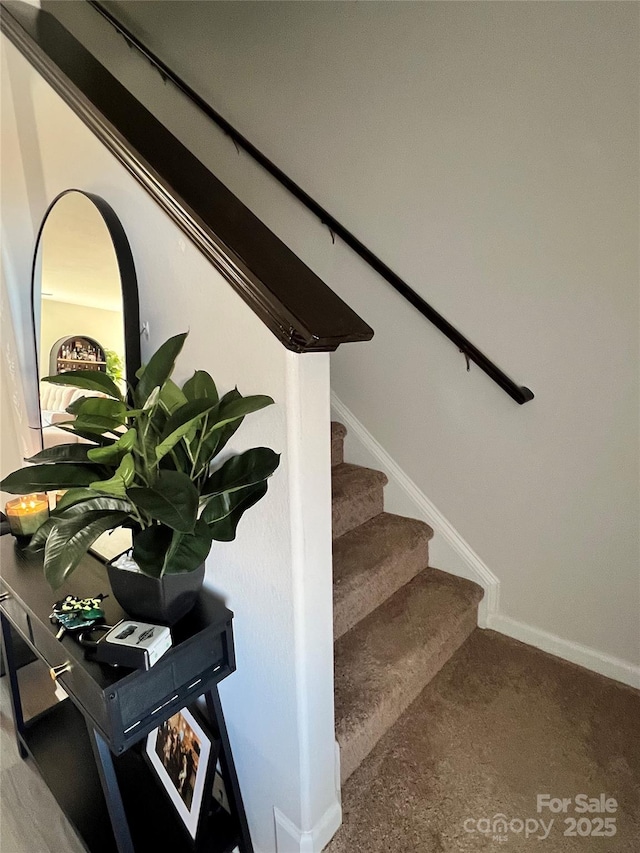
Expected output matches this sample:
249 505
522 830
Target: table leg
8 654
111 789
229 776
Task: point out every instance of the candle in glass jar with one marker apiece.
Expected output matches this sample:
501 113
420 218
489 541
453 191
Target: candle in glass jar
26 514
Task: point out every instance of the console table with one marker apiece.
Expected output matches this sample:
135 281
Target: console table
89 747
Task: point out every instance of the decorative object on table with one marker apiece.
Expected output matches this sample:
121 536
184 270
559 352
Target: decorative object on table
164 599
26 514
149 463
75 614
136 645
180 752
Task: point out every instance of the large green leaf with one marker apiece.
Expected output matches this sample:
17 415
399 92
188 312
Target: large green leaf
215 440
158 549
92 504
121 480
45 478
64 453
74 496
187 413
171 397
188 550
78 502
109 455
113 452
150 548
243 470
152 400
223 421
149 429
94 437
239 408
200 386
39 538
181 422
89 380
177 459
69 539
159 368
224 530
173 500
220 506
101 406
92 424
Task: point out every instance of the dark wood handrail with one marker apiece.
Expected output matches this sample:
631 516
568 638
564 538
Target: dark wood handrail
299 308
519 393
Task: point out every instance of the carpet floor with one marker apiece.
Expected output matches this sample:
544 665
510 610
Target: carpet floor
499 725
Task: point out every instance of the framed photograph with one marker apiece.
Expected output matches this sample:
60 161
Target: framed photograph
180 752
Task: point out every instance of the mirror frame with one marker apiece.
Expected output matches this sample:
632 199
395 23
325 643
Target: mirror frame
128 288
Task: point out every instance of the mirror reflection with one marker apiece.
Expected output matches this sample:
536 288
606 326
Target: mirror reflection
81 323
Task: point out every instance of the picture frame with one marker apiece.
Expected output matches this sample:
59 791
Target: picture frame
184 756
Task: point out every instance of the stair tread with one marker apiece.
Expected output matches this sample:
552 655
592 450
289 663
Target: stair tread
346 479
372 561
357 551
389 647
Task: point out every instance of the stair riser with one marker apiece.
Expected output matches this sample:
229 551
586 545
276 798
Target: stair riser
356 745
382 583
355 509
337 451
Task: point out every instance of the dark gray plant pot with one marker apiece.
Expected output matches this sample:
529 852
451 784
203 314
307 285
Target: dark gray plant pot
163 600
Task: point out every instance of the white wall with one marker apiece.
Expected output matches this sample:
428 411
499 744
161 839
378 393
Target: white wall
277 574
13 418
488 153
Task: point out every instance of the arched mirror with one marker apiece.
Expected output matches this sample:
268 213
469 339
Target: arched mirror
85 302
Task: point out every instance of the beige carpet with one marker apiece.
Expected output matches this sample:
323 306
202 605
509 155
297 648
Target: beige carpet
500 724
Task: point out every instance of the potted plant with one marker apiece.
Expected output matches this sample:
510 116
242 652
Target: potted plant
149 462
114 367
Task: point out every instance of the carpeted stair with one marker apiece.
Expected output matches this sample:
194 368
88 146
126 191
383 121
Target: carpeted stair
396 621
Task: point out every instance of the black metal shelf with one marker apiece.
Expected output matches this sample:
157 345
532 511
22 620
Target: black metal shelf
88 751
69 770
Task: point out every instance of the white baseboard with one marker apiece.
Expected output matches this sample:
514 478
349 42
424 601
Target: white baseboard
616 668
291 839
337 780
448 550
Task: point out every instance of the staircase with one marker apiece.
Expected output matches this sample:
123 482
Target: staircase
396 621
